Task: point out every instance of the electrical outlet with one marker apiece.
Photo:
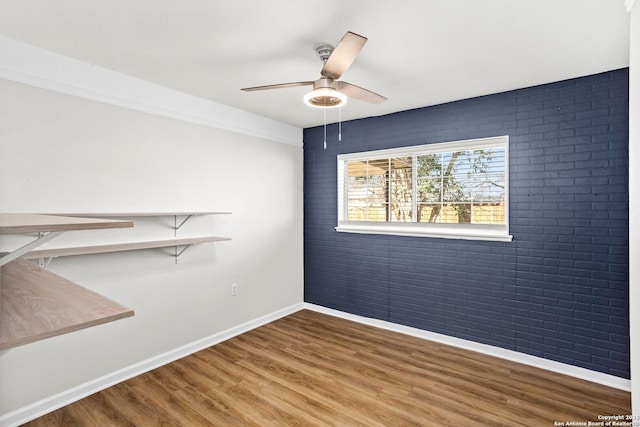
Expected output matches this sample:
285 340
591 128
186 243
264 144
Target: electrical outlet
234 289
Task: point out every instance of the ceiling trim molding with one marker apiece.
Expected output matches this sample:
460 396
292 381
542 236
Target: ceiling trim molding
629 4
23 63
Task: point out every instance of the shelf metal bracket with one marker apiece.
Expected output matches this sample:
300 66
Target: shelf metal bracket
44 262
42 238
179 252
178 224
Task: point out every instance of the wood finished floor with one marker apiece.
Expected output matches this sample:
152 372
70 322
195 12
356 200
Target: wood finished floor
311 369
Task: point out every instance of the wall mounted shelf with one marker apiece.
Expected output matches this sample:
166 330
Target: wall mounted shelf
37 304
48 227
180 244
179 218
122 247
13 223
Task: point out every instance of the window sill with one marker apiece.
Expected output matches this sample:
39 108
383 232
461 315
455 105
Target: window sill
445 232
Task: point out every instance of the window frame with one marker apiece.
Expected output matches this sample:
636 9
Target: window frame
490 232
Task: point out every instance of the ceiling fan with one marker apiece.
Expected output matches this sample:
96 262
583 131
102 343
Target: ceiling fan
328 91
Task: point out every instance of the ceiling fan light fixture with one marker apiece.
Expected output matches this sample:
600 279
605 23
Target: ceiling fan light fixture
328 91
325 97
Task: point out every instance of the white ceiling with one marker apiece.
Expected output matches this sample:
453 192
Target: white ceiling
419 53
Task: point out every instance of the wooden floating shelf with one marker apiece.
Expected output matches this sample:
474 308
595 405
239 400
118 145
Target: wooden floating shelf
47 227
37 304
142 214
11 223
120 247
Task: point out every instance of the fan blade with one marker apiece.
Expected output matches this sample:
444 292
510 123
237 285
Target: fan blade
353 91
278 86
343 55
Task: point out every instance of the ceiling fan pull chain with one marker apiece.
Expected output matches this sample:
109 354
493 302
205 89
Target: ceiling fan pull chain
339 123
325 128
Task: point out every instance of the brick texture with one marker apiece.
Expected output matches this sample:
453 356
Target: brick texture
559 290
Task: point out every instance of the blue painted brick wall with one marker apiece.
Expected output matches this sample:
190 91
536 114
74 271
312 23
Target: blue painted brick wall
559 290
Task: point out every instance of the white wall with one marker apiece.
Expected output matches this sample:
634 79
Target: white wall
634 205
61 153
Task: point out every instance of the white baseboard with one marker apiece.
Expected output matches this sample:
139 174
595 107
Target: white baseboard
44 406
538 362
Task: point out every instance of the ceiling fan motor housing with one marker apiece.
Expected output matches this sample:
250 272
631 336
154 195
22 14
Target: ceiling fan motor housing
325 94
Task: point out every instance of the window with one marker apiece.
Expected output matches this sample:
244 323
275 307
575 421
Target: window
453 189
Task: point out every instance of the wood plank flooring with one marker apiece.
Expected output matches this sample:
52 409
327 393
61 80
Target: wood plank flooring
310 369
